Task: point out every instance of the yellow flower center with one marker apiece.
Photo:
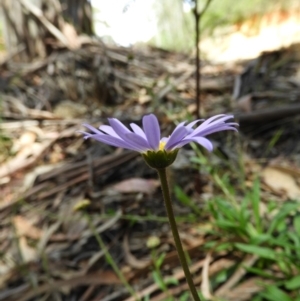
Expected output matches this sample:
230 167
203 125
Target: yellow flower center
162 145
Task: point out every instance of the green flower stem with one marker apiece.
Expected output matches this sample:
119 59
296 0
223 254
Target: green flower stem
168 203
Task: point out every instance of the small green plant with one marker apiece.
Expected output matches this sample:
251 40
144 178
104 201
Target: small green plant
272 236
273 141
245 225
5 146
186 200
158 277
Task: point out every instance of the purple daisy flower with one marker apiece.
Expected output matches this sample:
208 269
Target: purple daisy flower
149 139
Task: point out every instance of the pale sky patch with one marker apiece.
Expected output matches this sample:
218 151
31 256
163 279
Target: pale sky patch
137 24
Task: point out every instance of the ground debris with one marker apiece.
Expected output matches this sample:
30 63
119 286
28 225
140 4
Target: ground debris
51 180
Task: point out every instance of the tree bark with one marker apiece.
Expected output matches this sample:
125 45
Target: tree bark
32 28
79 14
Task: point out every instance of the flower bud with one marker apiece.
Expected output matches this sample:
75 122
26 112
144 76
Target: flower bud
160 159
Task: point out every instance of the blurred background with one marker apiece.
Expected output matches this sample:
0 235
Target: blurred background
230 30
80 220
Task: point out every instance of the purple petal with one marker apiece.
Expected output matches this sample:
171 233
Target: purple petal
85 134
91 128
224 127
138 130
191 124
214 120
178 134
204 142
178 126
119 128
148 138
211 119
214 129
152 130
212 125
220 120
117 142
200 140
137 142
109 130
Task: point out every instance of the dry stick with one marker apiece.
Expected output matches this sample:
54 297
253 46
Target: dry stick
51 28
197 30
198 16
90 279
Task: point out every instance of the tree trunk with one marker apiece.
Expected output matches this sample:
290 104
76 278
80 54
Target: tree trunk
32 28
79 14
